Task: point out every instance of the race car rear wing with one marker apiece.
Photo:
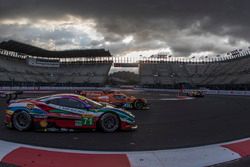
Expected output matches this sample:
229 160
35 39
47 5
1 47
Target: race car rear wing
10 95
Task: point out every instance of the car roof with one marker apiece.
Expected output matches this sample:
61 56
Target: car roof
63 95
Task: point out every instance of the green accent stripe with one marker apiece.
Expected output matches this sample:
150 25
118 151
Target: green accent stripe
59 111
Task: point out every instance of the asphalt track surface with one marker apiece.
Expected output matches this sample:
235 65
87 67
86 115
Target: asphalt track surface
168 124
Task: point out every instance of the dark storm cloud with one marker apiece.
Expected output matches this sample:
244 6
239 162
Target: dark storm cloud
186 26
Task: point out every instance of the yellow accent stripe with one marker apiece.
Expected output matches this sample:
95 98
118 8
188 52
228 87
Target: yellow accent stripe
9 112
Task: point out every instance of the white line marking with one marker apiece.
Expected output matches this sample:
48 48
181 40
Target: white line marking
172 99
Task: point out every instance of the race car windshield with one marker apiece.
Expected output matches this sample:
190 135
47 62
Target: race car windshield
93 104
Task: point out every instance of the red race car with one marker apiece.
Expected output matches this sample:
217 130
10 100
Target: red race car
117 99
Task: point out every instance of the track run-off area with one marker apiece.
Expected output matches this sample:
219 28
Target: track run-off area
171 122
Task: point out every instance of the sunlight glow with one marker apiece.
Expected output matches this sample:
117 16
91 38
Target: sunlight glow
73 24
19 21
128 39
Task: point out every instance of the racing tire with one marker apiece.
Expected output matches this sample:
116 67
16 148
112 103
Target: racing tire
22 121
138 105
109 122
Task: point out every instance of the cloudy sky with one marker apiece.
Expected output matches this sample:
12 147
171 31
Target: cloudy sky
129 27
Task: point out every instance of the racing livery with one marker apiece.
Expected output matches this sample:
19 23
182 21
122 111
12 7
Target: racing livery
117 99
66 112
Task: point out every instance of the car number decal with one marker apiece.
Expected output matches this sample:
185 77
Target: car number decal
87 120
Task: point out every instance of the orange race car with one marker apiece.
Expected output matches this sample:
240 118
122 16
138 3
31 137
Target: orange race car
116 99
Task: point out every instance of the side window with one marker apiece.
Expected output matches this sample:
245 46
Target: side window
54 101
119 97
72 103
67 102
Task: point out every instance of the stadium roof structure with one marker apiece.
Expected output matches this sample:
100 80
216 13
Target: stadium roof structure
19 47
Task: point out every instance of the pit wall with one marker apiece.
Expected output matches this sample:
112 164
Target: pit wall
208 92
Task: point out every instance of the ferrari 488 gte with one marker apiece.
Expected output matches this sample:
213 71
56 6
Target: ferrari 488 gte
66 112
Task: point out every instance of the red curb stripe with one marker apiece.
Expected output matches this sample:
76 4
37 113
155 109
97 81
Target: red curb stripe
29 157
242 148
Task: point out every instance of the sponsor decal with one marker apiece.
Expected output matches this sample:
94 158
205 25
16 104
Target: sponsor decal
68 109
9 112
30 106
82 97
127 105
70 116
43 124
59 111
104 97
78 123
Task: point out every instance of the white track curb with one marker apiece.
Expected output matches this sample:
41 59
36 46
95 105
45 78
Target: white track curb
186 157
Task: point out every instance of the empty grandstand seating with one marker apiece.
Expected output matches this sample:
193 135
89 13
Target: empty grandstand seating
59 68
221 72
25 65
18 71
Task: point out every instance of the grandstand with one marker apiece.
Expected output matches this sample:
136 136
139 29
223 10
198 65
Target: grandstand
227 72
25 65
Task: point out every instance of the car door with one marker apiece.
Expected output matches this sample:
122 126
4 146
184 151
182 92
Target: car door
73 108
119 99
